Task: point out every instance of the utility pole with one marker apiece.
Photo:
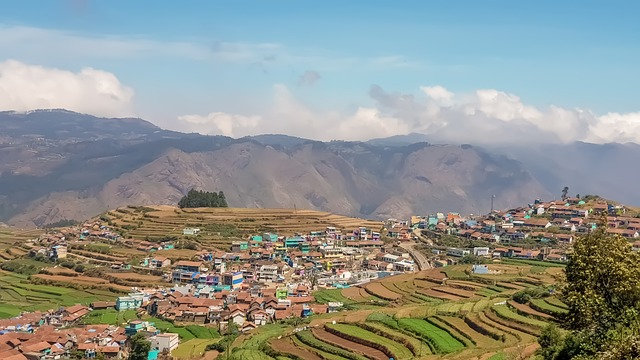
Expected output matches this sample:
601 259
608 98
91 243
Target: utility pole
492 197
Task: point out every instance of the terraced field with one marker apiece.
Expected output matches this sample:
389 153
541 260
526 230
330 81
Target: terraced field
18 294
220 225
481 322
347 344
13 242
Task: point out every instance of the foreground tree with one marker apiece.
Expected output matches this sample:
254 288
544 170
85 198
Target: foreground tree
139 347
602 283
602 291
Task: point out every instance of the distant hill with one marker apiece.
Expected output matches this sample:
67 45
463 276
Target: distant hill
63 165
399 140
282 141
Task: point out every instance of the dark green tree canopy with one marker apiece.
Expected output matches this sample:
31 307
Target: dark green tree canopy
139 347
602 291
196 198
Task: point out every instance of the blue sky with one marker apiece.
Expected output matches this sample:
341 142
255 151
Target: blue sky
227 56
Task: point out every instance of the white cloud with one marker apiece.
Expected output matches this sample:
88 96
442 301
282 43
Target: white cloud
219 123
28 87
439 94
289 116
485 116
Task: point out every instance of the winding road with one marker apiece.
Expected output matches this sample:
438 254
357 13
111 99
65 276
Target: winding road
420 258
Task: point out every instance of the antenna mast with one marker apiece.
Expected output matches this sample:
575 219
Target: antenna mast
492 197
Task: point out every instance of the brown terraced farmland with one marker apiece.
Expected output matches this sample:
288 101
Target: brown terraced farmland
220 225
13 241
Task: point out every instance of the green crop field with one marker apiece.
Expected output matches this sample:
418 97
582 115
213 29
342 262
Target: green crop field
264 333
532 262
460 326
17 294
327 295
420 348
307 338
110 316
399 350
505 312
191 349
441 340
545 307
556 302
325 355
202 332
385 319
248 354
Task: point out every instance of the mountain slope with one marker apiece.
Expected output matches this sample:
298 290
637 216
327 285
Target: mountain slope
341 177
62 165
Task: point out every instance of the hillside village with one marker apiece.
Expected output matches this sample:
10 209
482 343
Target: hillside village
269 278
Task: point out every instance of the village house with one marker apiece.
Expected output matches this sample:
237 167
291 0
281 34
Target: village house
159 262
165 342
74 313
58 252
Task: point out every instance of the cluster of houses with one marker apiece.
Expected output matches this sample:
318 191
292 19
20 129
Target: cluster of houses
541 230
247 309
56 335
542 222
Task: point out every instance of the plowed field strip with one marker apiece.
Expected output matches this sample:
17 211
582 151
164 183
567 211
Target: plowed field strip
369 352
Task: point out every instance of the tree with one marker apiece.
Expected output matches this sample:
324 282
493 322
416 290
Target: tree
472 259
139 347
551 342
222 201
601 281
565 191
195 198
602 291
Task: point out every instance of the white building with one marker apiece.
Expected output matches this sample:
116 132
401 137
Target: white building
168 341
190 231
403 265
268 273
457 252
390 258
481 251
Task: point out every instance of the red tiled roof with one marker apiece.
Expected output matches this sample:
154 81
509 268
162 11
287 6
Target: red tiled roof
37 347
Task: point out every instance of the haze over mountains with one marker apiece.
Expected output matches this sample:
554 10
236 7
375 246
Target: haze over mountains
57 164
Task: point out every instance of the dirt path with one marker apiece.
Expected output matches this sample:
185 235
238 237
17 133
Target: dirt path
287 347
346 344
210 355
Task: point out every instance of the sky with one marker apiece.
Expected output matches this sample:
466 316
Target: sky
460 71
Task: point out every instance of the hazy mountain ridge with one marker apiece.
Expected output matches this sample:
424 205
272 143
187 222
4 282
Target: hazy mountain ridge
104 164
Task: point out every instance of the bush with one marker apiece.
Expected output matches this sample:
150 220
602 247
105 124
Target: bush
79 268
523 296
19 267
68 264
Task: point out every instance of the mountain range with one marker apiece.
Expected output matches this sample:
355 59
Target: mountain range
57 164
